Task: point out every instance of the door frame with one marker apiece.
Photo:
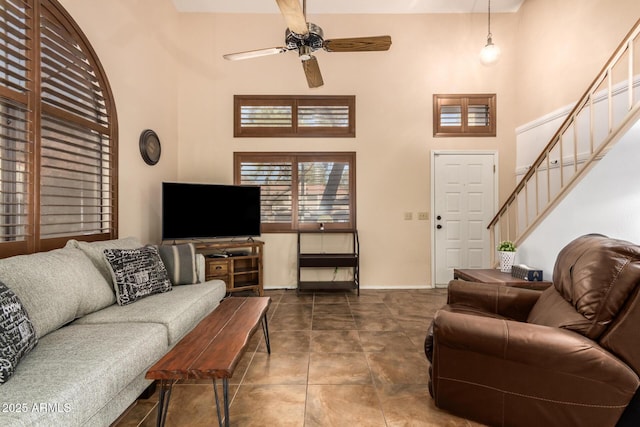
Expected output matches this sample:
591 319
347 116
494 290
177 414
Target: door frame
496 197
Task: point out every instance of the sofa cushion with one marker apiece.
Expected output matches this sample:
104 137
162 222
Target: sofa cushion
95 252
77 370
179 310
17 335
180 262
137 273
596 275
56 287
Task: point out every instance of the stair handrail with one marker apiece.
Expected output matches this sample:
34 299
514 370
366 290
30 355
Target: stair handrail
626 46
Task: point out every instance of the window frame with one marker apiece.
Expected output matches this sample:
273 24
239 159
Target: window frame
50 99
464 101
294 101
296 158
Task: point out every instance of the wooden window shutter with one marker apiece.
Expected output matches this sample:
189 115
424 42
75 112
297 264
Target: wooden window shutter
464 115
58 139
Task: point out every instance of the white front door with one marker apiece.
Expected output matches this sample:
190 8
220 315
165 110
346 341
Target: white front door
463 206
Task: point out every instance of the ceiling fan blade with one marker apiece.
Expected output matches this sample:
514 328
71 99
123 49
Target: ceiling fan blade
254 53
293 16
312 71
358 44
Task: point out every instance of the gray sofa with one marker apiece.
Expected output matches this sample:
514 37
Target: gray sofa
92 354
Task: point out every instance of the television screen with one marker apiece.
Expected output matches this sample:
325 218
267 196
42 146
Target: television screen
204 211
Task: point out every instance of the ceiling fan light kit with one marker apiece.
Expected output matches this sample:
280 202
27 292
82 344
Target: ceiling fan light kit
306 37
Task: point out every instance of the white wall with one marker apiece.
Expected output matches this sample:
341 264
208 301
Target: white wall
606 201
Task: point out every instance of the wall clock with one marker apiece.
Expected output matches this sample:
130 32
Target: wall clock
150 147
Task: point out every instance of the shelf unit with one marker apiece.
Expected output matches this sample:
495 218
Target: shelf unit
322 260
237 263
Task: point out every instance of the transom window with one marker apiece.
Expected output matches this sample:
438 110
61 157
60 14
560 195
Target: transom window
58 133
301 191
294 116
464 115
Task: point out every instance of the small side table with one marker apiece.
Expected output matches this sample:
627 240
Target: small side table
492 275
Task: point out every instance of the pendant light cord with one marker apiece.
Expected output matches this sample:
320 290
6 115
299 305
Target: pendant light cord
489 20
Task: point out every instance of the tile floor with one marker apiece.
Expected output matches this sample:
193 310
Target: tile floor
336 360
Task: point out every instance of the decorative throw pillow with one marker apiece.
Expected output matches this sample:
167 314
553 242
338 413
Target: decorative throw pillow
137 273
17 334
180 261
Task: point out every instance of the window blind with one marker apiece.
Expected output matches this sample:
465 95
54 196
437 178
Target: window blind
451 115
275 179
257 116
58 134
301 190
14 176
75 147
291 115
323 193
323 116
478 115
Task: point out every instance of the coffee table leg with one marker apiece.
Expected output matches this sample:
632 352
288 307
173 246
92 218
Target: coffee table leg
265 329
225 392
163 403
225 397
215 392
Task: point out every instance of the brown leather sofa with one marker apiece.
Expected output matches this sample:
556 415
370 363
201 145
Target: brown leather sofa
566 356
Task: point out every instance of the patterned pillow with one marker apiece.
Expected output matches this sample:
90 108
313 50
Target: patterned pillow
180 261
17 334
137 273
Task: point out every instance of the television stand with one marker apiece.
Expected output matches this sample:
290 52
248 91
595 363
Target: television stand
237 263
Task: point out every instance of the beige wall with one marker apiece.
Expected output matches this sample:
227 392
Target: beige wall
394 124
167 73
562 46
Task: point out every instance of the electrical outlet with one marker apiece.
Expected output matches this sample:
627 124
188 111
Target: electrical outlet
423 216
408 216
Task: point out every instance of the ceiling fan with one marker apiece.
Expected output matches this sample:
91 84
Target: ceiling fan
306 38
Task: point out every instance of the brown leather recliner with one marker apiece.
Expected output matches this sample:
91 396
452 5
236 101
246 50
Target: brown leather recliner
566 356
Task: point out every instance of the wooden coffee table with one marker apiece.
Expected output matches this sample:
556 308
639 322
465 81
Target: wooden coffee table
212 350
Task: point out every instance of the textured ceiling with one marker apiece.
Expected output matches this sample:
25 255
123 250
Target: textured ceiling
351 6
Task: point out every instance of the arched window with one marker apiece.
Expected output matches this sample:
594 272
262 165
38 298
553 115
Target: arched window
58 133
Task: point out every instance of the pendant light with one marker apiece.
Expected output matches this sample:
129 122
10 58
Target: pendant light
490 53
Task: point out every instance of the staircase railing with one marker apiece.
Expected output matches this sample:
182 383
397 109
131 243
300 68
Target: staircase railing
602 115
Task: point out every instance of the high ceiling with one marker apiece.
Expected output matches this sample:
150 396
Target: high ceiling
351 6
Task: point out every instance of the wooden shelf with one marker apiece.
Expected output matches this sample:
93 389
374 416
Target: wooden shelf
241 270
346 285
321 260
328 260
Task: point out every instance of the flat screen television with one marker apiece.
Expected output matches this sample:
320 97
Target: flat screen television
207 211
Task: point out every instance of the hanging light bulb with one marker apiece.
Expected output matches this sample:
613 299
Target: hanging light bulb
490 53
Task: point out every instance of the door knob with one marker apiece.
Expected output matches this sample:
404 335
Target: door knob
438 217
438 226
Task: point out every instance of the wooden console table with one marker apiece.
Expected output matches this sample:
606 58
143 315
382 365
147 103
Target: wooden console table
491 275
212 350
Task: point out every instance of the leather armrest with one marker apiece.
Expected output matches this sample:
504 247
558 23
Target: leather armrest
546 359
507 301
503 372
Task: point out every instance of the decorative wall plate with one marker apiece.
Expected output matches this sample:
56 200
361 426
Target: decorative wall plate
150 147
